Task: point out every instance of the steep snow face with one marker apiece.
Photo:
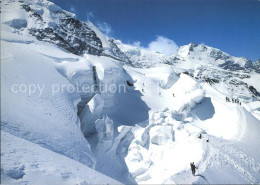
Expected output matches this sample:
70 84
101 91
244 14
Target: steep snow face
187 92
110 47
105 130
90 113
35 102
98 80
209 116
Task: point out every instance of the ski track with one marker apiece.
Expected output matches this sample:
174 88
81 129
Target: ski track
223 154
229 154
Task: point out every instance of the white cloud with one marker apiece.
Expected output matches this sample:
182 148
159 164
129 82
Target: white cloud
136 44
163 45
90 15
105 28
72 9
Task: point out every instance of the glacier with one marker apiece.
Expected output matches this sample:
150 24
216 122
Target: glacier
78 107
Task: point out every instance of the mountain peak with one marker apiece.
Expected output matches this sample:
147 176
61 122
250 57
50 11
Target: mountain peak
186 50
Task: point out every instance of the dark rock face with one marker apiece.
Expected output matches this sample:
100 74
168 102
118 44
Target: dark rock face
216 54
118 54
189 73
71 34
249 66
233 80
254 91
192 45
256 66
230 65
211 80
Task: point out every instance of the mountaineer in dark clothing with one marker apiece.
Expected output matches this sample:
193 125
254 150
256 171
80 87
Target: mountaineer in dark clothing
200 136
227 99
193 168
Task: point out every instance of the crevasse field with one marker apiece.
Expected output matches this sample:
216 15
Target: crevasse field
119 114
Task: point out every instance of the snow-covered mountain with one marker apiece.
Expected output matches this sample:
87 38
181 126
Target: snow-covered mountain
257 66
78 107
202 54
205 64
220 69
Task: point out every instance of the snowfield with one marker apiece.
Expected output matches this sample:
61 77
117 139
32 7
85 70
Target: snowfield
123 116
24 162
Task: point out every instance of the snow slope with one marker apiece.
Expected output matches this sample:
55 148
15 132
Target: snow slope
55 128
24 162
42 117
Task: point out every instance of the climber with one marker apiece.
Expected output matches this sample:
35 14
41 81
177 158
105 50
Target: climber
193 168
173 94
200 136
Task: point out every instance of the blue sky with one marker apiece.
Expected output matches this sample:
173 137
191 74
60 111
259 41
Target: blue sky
230 25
